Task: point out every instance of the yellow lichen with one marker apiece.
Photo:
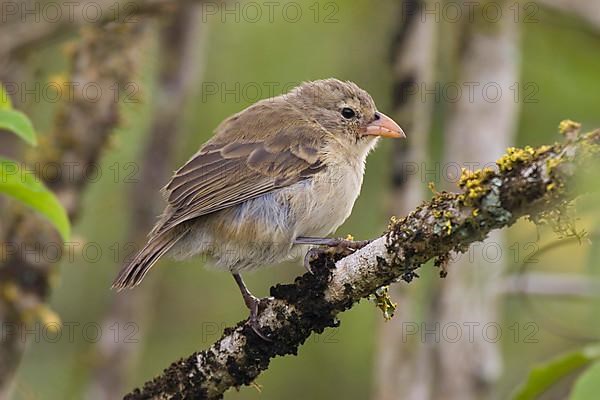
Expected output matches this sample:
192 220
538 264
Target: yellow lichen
515 156
552 163
556 182
431 186
10 292
49 319
567 126
543 149
448 227
256 386
393 222
383 301
473 182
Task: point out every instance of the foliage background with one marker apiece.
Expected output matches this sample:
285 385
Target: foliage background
559 54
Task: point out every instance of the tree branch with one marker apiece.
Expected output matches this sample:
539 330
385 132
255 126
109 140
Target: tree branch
528 182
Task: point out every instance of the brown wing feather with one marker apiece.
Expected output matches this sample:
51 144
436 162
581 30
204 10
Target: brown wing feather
223 173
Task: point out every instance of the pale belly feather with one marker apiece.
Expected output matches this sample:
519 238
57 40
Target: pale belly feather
261 231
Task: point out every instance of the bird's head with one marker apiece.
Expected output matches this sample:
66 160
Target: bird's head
345 110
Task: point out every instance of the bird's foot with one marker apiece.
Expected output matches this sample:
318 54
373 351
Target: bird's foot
312 254
253 304
334 246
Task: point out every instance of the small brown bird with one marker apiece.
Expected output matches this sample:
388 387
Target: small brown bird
275 178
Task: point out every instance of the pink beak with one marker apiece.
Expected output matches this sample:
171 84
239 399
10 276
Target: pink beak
384 126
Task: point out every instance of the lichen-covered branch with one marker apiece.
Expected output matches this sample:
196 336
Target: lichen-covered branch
528 182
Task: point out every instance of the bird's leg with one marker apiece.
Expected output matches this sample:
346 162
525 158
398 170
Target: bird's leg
335 244
253 303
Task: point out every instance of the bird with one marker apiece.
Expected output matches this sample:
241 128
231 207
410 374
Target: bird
275 179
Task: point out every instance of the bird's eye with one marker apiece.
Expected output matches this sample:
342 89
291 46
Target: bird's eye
348 113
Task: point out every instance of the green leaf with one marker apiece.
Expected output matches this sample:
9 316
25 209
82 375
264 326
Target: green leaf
545 375
5 103
18 123
26 188
587 385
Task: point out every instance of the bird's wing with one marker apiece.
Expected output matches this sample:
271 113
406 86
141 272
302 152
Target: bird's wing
222 175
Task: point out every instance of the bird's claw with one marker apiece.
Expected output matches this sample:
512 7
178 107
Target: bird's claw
254 306
311 256
331 247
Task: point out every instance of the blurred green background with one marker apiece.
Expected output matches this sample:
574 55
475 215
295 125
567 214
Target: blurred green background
189 305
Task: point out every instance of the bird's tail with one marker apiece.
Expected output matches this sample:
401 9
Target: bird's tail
133 272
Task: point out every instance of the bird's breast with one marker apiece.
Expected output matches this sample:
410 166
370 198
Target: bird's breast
323 202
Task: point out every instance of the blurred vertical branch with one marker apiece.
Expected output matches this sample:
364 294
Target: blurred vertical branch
413 57
180 52
412 367
106 57
477 129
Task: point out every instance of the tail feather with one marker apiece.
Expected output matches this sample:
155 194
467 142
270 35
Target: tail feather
133 273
